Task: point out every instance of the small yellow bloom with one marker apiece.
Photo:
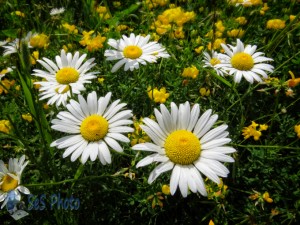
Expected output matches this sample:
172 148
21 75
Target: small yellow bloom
241 20
101 80
274 212
236 33
292 17
158 96
166 189
34 56
254 196
19 13
92 43
27 117
267 198
252 131
5 126
39 41
70 28
294 81
297 130
45 106
6 85
190 72
211 222
204 92
275 24
199 49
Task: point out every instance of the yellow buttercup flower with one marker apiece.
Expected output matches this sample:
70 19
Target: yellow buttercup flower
165 189
158 96
92 43
275 24
19 13
34 56
236 33
267 198
252 130
297 130
6 85
27 117
5 126
70 28
39 41
190 72
241 20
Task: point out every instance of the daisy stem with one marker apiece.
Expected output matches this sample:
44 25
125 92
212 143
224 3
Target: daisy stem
70 180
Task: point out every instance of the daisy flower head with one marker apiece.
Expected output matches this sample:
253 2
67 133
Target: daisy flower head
134 50
243 61
15 45
57 11
10 179
68 75
93 126
212 61
184 142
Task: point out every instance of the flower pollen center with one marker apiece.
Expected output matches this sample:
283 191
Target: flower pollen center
132 52
214 61
67 75
242 61
182 147
94 128
8 184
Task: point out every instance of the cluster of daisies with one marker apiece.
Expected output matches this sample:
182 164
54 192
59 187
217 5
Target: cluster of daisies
183 140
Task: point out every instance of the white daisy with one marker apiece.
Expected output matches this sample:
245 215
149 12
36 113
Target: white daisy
56 11
94 126
185 143
134 50
244 62
67 76
10 179
14 46
212 60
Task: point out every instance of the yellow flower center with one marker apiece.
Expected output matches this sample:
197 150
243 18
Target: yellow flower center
182 147
9 183
66 89
94 128
132 52
67 75
214 61
242 61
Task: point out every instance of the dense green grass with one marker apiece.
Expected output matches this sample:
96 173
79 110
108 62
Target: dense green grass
107 194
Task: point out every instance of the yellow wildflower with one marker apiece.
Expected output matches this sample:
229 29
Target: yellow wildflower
292 17
264 9
70 28
211 222
101 80
252 130
103 12
5 85
190 72
5 126
294 81
121 27
92 43
116 4
241 20
178 33
274 212
236 33
199 49
297 130
216 45
39 41
34 56
158 96
138 136
204 92
165 189
267 198
27 117
219 26
19 13
275 24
